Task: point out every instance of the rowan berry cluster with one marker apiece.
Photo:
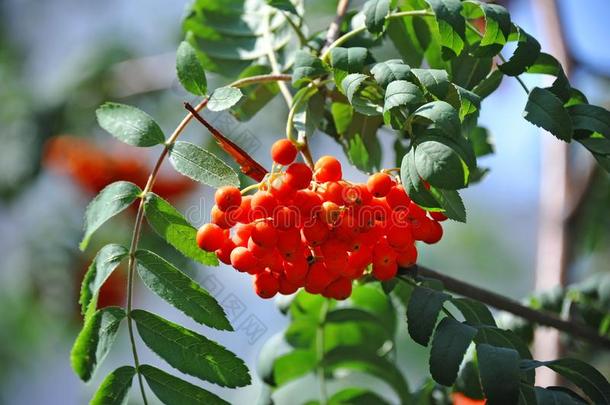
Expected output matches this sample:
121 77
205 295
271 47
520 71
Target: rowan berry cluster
312 229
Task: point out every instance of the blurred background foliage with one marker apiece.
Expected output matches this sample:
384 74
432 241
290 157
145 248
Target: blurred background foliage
60 59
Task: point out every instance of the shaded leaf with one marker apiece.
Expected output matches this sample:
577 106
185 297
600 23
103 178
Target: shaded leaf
475 313
546 111
590 118
402 93
435 81
113 199
175 391
306 68
170 224
525 55
451 202
440 165
293 365
389 71
115 387
201 165
424 307
190 352
285 5
375 12
94 341
356 396
451 25
129 124
499 370
439 115
450 342
190 70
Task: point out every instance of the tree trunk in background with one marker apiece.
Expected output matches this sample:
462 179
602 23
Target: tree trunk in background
555 195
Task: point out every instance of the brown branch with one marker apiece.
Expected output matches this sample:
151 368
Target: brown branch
509 305
334 29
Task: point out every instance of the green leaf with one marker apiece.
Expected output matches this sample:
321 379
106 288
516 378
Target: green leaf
94 341
450 342
306 68
179 290
475 313
489 84
422 313
105 262
129 124
347 60
115 387
480 139
113 199
309 111
284 5
353 358
356 396
293 365
597 145
468 71
351 84
403 34
451 25
413 183
547 64
440 165
190 70
358 132
435 81
190 352
375 12
590 118
546 111
525 55
201 165
581 374
402 93
175 391
439 115
555 396
389 71
499 370
170 224
224 98
255 96
497 25
341 315
451 202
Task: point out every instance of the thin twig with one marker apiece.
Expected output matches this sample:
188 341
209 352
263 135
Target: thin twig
246 81
275 67
334 29
509 305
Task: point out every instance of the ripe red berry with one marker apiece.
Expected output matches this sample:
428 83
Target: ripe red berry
421 228
383 254
330 212
339 289
399 236
263 203
224 253
308 203
243 214
318 278
289 240
315 233
242 259
283 152
327 168
435 232
298 176
258 250
282 190
223 219
285 217
407 257
242 234
266 285
334 191
227 197
296 270
264 234
397 197
210 237
438 216
286 287
385 272
379 184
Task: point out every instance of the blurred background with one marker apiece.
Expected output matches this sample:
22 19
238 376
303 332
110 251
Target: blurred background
60 59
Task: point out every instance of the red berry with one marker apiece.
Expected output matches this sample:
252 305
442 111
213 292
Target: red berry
435 232
318 278
415 211
258 250
330 212
286 287
224 253
242 259
346 230
223 219
263 203
264 234
296 270
298 176
407 257
337 264
227 197
339 289
397 197
315 233
281 189
385 272
285 217
383 254
399 236
242 234
283 152
307 202
421 228
266 285
288 241
379 184
244 213
333 248
438 216
334 191
327 168
210 237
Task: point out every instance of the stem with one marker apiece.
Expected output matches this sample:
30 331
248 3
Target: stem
503 303
333 30
275 68
320 351
342 39
261 79
500 56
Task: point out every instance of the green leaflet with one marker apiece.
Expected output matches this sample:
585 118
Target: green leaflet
190 70
590 118
525 55
402 93
439 115
224 98
423 309
306 68
450 342
546 111
95 340
356 396
191 352
129 124
113 199
171 225
499 370
105 262
347 60
180 290
175 391
293 365
389 71
375 12
201 165
115 387
255 96
475 313
440 165
451 26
